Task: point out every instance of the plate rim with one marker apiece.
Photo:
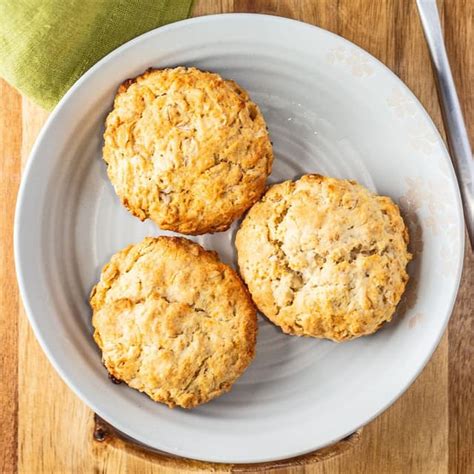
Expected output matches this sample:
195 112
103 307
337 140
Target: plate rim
21 196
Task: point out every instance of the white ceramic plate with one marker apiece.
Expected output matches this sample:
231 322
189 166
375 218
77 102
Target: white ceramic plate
332 109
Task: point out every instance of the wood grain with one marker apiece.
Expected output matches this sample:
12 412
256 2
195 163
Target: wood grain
107 434
10 143
46 429
459 26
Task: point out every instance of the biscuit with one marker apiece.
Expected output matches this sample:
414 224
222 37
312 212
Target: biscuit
173 321
324 257
187 149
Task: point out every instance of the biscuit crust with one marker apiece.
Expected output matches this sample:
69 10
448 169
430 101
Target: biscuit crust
187 149
324 257
173 321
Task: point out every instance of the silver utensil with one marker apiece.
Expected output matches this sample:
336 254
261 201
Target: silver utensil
458 140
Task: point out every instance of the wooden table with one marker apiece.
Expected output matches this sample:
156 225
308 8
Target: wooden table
45 428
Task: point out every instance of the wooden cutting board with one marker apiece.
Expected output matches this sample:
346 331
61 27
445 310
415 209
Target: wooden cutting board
45 428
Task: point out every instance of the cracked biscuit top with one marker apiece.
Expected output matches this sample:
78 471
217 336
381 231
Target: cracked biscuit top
324 257
173 321
187 149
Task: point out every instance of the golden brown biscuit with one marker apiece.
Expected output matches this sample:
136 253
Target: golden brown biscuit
173 321
186 148
324 257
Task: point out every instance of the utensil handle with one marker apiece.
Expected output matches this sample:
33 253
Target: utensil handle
454 123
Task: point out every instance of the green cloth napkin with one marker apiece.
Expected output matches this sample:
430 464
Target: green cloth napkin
46 45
